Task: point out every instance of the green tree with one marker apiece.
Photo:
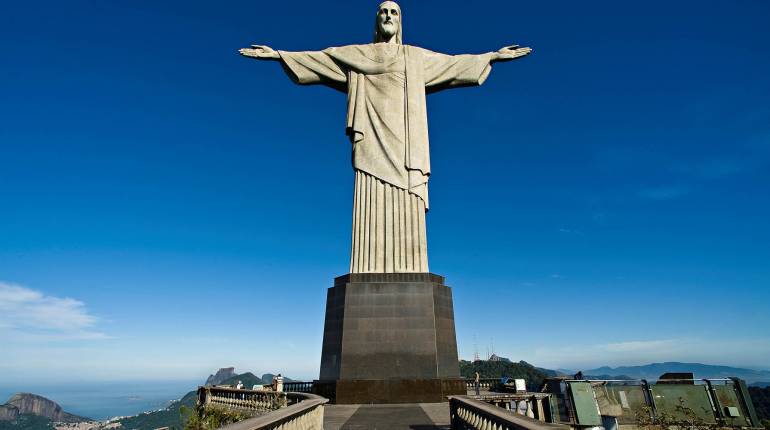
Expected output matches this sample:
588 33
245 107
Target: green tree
209 418
499 369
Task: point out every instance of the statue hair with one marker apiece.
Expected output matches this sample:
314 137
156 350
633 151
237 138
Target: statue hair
399 32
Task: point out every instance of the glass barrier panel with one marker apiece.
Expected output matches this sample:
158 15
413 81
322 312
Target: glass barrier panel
620 400
726 398
675 400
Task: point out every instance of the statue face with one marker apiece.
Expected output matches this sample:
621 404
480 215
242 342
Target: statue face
388 19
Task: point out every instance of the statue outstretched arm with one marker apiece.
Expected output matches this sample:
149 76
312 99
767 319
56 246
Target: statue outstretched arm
450 71
260 52
512 52
304 68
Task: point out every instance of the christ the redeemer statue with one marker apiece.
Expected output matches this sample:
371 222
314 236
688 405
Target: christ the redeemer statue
386 83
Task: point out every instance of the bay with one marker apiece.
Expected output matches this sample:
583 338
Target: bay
104 400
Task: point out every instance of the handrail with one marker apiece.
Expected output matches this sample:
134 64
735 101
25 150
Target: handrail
470 383
298 386
468 413
532 405
305 413
247 400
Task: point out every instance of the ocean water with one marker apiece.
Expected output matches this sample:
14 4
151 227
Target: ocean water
103 400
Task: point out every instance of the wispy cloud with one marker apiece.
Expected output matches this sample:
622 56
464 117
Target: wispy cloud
664 193
571 231
640 345
27 314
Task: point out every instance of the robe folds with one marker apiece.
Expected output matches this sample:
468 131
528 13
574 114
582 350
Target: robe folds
387 125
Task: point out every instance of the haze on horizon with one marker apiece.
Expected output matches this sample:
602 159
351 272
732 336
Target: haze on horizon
156 220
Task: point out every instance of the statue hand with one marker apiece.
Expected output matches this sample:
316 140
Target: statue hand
260 52
512 52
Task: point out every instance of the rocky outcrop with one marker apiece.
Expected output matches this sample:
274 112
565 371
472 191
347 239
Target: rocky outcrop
222 375
8 413
268 378
26 403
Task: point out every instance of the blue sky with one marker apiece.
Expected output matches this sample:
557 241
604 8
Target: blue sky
603 201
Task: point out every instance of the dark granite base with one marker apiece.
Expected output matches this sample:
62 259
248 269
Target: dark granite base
390 390
389 338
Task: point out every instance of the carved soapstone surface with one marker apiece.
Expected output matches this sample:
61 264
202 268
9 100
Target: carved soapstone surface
386 83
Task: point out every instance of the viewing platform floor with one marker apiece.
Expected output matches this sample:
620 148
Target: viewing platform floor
412 416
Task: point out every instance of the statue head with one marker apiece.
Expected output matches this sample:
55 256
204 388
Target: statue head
387 24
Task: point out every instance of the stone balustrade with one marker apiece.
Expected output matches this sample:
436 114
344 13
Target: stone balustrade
284 410
468 413
248 401
305 413
298 386
532 405
485 384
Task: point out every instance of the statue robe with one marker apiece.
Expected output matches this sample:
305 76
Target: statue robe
387 124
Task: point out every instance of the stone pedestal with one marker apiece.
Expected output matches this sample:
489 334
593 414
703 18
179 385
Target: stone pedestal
389 338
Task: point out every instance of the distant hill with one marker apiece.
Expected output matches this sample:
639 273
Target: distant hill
31 404
499 369
268 378
608 377
227 376
248 380
222 375
547 372
26 411
654 370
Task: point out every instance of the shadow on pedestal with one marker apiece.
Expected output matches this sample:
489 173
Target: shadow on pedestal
389 338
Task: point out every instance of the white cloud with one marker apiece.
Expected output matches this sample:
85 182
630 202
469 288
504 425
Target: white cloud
27 314
639 345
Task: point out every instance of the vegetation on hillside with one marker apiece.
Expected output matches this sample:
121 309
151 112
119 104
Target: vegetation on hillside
268 378
27 422
609 377
499 369
761 399
248 380
171 416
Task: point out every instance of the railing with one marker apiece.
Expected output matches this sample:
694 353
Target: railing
532 405
298 387
485 384
244 400
306 413
288 411
468 413
724 403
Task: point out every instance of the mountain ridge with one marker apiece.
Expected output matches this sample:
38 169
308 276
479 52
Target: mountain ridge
654 370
